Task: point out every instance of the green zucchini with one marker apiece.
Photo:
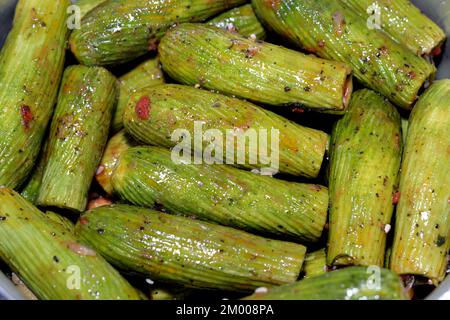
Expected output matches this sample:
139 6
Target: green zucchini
147 74
32 186
118 31
31 64
422 228
404 23
60 220
49 259
366 147
147 176
242 20
404 129
315 263
78 134
87 5
120 142
353 283
300 150
334 32
213 58
188 252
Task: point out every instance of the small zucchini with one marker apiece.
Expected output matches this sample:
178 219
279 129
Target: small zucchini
147 74
404 23
242 20
78 134
315 263
366 147
118 31
50 260
120 142
213 58
353 283
300 150
147 176
31 65
422 228
332 31
186 251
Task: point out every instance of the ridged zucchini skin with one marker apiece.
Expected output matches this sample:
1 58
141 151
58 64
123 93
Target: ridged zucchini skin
78 134
422 229
216 59
172 107
334 32
315 263
352 283
188 252
404 23
45 256
62 221
87 5
33 184
120 142
118 31
147 176
31 65
242 20
366 147
147 74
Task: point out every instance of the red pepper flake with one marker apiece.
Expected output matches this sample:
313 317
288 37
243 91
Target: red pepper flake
251 52
275 4
27 116
436 52
298 110
143 108
84 221
396 197
321 43
411 75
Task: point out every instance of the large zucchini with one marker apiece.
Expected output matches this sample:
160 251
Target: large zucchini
403 22
117 31
78 134
422 228
188 252
50 260
296 150
148 176
31 64
213 58
366 148
353 283
332 31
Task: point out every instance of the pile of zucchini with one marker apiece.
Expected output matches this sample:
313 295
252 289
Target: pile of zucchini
90 193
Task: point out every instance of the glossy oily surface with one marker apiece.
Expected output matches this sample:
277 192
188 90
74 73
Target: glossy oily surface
331 31
262 72
422 227
44 255
366 149
31 64
147 176
188 252
78 135
120 30
299 150
346 284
